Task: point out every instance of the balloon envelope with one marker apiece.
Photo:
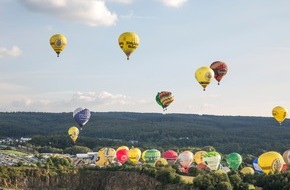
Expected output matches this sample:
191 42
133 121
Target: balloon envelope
122 147
256 166
58 43
161 162
204 75
234 160
151 156
212 160
164 99
134 155
73 132
122 155
185 158
248 170
286 157
220 69
279 113
170 156
81 116
271 162
198 157
128 42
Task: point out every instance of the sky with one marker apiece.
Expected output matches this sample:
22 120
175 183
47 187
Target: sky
176 38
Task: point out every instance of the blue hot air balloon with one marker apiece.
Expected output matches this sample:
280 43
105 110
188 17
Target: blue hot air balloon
256 166
81 116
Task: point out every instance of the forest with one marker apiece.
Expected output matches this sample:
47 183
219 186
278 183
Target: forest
242 134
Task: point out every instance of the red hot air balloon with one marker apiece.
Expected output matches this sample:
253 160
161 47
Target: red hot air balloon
122 155
220 70
170 156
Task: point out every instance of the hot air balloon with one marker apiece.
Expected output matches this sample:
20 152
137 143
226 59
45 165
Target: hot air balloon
122 155
220 70
170 156
108 153
198 157
128 42
248 170
185 158
286 157
134 155
204 75
122 147
279 113
271 162
150 156
257 167
234 160
164 99
212 160
58 43
73 132
102 160
161 162
81 116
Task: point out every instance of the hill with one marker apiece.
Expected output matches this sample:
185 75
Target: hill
226 134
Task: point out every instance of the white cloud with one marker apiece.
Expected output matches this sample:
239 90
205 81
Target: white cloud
173 3
122 1
9 87
13 52
91 12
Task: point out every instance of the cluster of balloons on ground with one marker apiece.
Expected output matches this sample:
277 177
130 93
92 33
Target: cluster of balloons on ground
268 162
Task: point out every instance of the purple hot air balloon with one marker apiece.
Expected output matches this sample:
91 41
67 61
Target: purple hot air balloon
81 116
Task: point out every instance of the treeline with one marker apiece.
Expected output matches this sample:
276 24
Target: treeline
251 135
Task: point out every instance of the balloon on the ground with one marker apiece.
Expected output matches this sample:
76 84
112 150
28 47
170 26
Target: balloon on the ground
286 157
234 160
161 162
279 113
185 158
271 162
170 156
73 132
134 155
151 156
248 170
198 157
122 155
122 147
204 75
256 166
58 43
212 160
81 116
220 70
164 99
128 42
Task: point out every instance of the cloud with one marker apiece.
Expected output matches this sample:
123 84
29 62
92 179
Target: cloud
173 3
13 52
122 1
90 12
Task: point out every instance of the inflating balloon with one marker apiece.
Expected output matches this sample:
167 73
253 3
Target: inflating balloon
164 99
198 157
122 155
81 116
58 43
170 156
128 42
248 170
122 147
185 158
134 155
234 160
257 167
212 160
286 157
204 75
73 132
151 156
220 70
161 162
271 162
279 113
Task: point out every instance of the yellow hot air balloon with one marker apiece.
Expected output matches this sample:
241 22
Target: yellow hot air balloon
198 157
73 132
279 113
128 42
204 75
248 170
271 162
58 43
134 155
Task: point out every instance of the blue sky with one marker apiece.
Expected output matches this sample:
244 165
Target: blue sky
176 38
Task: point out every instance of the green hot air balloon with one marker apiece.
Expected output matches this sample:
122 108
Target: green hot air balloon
234 160
151 156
